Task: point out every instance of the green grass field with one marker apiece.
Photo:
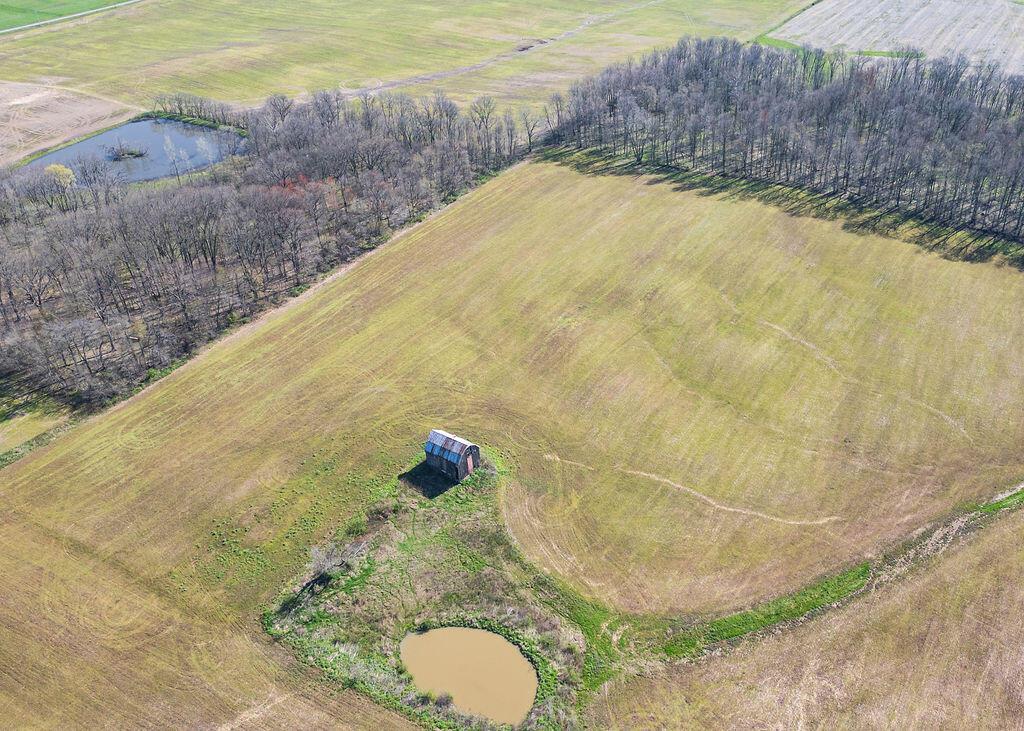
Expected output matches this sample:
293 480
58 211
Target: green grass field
705 403
23 12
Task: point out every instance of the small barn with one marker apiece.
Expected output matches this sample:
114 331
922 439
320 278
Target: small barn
450 455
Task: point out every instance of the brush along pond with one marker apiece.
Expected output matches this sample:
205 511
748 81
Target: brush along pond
148 149
425 558
418 563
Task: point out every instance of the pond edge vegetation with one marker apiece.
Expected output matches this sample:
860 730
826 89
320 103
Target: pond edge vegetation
624 644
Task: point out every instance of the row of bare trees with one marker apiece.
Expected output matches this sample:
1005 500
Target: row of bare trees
938 140
102 282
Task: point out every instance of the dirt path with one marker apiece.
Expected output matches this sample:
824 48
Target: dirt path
72 16
699 495
250 717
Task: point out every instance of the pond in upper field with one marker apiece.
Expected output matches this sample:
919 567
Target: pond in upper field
485 674
149 149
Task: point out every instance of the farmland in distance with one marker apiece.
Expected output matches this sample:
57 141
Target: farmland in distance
24 12
983 30
117 62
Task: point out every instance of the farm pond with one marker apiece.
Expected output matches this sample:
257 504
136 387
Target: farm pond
149 149
485 674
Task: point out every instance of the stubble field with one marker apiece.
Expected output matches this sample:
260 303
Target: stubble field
983 30
706 402
36 116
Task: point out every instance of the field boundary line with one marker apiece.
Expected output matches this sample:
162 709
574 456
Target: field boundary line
72 16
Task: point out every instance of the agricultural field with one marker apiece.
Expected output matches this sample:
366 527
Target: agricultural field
940 649
22 427
702 401
36 116
245 51
25 12
983 30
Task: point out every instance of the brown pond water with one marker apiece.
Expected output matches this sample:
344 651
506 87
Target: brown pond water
485 674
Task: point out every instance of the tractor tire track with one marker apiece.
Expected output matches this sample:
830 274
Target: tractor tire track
701 496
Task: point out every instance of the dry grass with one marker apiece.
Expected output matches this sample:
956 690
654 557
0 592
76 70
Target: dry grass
983 30
941 650
88 642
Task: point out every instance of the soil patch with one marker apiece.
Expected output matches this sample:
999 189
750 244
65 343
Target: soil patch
34 117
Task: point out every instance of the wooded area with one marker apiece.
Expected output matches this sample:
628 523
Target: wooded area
938 140
101 282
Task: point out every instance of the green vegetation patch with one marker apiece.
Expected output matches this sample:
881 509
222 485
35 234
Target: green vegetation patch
1009 502
23 12
765 40
825 592
892 54
416 563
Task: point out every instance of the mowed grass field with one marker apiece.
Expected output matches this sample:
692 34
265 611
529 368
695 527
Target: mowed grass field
245 51
16 13
941 649
704 401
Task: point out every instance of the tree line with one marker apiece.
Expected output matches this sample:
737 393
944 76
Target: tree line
938 140
102 283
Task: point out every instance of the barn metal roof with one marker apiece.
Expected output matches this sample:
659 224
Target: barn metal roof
446 446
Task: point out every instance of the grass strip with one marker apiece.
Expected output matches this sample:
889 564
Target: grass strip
1013 500
693 642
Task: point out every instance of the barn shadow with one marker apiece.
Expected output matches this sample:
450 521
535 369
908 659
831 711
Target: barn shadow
427 481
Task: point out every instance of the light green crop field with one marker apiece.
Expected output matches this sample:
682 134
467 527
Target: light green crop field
245 51
23 12
939 650
705 401
19 429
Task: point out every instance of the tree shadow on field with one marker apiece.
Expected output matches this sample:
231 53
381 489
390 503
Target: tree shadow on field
957 244
427 481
